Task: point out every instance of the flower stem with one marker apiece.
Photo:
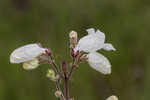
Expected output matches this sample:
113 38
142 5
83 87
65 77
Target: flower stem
67 88
72 67
71 71
55 66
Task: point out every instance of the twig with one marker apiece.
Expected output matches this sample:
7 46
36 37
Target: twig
73 65
55 66
71 71
67 88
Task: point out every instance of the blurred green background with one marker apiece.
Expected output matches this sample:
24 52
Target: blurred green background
125 22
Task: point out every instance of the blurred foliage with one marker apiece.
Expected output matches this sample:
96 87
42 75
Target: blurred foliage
125 22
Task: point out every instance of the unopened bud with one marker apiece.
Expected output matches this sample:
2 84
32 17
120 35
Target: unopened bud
64 66
73 38
73 34
51 74
58 94
112 98
34 63
48 52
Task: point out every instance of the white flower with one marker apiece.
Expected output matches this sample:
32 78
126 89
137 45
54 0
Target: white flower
112 98
99 62
93 41
28 55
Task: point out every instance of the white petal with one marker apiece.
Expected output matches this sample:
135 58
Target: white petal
101 35
91 43
108 47
99 62
26 53
34 63
90 31
112 98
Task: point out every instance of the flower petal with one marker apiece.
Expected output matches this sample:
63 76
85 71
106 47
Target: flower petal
90 31
26 53
99 62
109 47
91 43
34 63
101 35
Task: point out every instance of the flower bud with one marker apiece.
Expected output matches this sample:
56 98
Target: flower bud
34 63
51 74
64 66
73 38
73 34
58 94
48 52
112 98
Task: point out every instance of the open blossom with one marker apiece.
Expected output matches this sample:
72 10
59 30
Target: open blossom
91 43
28 55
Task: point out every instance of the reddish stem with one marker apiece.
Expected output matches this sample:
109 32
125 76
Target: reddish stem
72 67
56 68
67 88
68 77
71 71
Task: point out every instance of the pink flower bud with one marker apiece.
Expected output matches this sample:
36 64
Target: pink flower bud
64 66
48 52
